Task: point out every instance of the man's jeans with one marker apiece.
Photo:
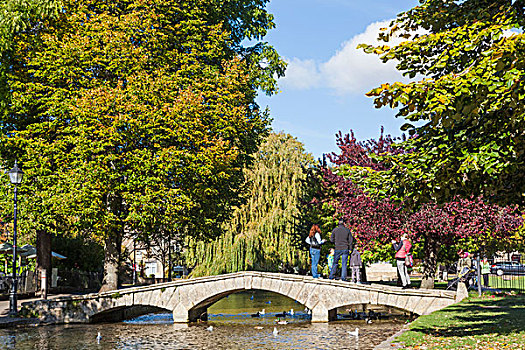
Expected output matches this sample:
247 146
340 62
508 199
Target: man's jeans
316 255
339 254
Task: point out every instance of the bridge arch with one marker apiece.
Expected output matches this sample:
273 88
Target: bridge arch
121 313
199 310
189 299
323 297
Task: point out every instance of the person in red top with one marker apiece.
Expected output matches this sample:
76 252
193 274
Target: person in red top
402 248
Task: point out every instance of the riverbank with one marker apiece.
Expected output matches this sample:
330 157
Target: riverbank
492 321
7 321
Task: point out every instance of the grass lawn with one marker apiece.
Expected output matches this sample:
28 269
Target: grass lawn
486 322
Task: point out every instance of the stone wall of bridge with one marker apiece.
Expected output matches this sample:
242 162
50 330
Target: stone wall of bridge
189 300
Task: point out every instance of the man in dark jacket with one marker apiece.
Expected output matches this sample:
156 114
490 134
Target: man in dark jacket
344 242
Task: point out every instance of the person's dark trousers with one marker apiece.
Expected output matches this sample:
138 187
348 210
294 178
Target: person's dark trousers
339 254
486 280
316 255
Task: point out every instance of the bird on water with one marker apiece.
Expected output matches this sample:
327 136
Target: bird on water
354 333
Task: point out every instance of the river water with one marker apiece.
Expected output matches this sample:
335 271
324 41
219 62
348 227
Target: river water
232 327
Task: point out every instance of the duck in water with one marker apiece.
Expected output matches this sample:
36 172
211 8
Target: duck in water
281 315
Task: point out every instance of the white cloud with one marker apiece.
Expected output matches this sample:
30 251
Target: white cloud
351 70
348 71
301 74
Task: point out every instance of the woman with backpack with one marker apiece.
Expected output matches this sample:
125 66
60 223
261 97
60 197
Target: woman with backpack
402 250
315 241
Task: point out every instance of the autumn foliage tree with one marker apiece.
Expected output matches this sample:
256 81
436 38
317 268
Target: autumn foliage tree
133 115
358 195
464 162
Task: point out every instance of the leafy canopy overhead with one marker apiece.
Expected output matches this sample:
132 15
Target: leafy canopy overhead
465 107
131 115
16 16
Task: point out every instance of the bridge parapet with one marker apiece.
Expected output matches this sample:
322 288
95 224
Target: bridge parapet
189 299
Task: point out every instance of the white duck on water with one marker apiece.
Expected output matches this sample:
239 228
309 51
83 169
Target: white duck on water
354 333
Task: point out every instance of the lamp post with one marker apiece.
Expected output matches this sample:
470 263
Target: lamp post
134 263
15 176
170 267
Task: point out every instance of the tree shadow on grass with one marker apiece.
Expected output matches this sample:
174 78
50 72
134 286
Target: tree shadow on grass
477 317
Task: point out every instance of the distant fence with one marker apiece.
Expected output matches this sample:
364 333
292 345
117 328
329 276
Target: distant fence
25 283
80 280
67 279
507 276
504 275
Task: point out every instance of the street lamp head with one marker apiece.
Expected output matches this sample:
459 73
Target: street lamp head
15 175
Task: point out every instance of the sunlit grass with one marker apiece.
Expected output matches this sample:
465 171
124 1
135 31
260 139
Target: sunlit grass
487 322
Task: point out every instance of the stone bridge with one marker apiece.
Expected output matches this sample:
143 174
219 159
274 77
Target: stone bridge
189 299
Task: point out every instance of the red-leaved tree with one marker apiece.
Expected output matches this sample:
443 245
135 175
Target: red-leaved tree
377 219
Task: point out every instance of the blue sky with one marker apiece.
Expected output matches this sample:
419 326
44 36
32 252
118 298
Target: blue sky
323 91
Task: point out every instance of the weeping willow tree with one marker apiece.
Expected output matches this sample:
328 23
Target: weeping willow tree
261 234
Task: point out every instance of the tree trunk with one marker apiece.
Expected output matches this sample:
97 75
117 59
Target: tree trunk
163 262
113 245
429 263
111 262
43 257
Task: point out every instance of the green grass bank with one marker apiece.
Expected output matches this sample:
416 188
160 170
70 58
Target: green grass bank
492 321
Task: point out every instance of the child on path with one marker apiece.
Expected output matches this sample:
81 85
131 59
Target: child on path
355 266
330 259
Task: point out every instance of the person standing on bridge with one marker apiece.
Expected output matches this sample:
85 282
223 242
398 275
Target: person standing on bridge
330 259
315 242
355 266
402 249
344 242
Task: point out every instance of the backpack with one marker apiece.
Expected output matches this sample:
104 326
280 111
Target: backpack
315 244
409 261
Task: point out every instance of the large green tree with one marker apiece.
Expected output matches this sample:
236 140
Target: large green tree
262 233
464 106
18 16
136 114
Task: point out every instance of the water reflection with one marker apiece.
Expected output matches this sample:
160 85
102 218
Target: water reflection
233 328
